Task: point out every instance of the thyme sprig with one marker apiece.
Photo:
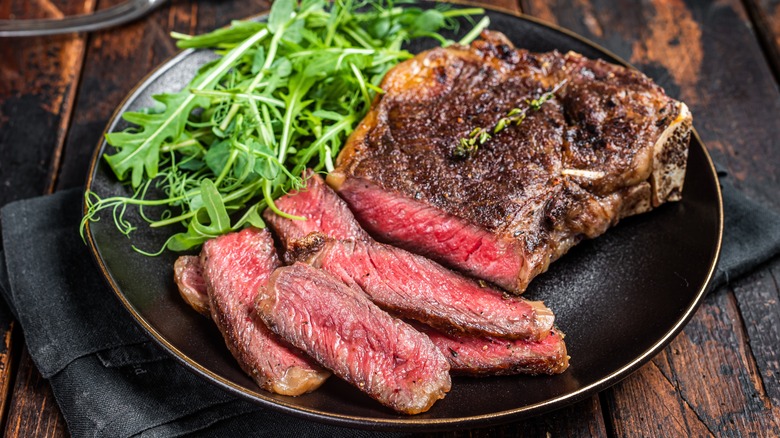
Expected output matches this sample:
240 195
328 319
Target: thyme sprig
283 95
467 146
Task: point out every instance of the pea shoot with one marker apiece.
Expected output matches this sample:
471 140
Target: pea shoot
283 95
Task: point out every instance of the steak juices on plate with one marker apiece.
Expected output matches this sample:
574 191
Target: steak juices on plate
557 148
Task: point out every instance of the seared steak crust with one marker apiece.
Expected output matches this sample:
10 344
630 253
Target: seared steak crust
608 144
235 266
188 275
400 282
345 332
489 356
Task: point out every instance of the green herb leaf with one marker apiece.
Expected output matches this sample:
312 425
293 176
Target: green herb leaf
219 219
281 12
281 97
467 146
139 149
185 241
239 31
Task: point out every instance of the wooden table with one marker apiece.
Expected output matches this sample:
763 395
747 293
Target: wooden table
721 376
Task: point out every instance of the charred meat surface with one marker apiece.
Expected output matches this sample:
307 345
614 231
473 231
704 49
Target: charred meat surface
188 275
235 267
490 356
411 286
398 281
348 334
607 144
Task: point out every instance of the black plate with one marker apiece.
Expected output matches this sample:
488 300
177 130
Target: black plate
620 298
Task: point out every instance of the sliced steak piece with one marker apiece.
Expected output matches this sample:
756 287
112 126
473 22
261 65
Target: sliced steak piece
396 280
188 275
324 211
235 267
411 286
489 356
348 334
608 144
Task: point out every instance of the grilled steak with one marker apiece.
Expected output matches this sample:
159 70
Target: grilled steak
235 267
192 287
324 211
489 356
608 143
396 280
341 328
411 286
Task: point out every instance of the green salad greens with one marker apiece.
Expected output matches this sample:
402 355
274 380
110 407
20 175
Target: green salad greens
283 95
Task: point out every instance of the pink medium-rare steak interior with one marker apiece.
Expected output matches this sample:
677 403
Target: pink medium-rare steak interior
398 281
348 334
490 356
430 232
235 266
607 144
411 286
324 211
468 355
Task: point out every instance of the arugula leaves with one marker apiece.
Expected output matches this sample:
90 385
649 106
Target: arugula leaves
139 149
284 95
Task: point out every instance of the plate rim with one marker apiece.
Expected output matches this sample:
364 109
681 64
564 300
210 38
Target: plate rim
410 423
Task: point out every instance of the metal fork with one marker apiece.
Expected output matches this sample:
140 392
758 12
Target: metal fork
112 16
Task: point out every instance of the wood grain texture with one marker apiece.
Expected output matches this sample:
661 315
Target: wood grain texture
771 10
709 381
33 410
765 15
7 370
758 296
705 54
38 79
662 413
507 5
118 59
706 383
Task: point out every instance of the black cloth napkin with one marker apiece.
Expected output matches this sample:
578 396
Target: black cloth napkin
110 380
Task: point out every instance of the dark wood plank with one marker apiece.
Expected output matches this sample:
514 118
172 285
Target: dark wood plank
704 53
7 353
38 78
33 409
757 296
506 5
662 411
771 10
707 381
765 15
119 59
